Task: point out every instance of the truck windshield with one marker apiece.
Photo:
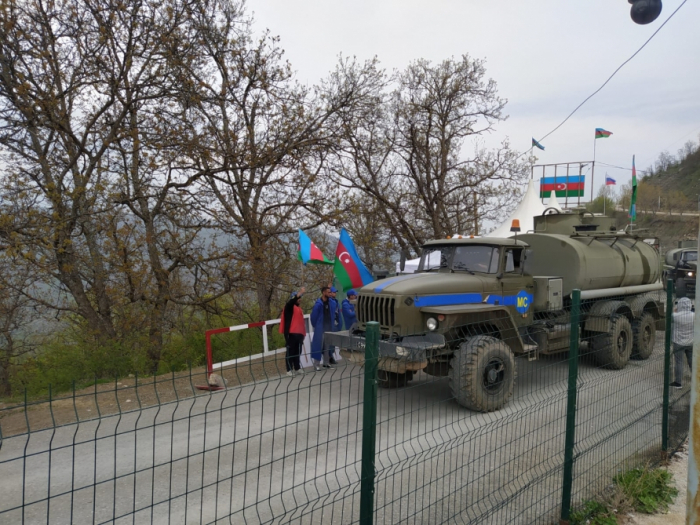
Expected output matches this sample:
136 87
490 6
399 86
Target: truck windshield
690 256
469 258
434 258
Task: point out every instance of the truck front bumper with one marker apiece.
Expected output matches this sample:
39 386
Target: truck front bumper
408 348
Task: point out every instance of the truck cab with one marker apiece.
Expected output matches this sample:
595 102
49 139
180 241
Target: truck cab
681 266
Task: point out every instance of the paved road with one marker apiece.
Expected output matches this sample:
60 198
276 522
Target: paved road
288 451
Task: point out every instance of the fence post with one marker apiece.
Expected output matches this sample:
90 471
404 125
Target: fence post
571 408
667 364
369 424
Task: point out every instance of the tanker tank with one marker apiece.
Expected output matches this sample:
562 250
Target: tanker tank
591 261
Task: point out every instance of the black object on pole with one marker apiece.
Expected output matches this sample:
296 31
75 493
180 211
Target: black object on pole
645 11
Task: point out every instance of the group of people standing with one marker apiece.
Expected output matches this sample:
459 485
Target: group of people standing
327 315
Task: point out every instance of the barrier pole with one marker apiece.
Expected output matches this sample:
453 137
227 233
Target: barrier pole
571 409
369 424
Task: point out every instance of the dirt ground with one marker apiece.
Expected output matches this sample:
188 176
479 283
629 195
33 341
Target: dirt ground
126 394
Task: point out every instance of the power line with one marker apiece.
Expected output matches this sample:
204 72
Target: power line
614 73
620 167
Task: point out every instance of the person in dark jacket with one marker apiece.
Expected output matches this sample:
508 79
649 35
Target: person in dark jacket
348 309
323 320
294 329
337 320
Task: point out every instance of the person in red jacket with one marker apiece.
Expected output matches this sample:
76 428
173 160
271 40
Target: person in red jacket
294 329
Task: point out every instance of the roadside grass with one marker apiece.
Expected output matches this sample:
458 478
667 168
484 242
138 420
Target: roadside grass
645 490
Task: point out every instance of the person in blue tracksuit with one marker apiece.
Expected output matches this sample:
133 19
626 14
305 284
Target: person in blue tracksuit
348 309
337 321
323 320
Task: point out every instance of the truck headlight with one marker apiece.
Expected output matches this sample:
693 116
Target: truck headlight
432 324
690 274
400 350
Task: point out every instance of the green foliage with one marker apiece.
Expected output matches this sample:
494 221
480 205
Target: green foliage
600 204
183 352
649 490
644 490
593 513
59 364
74 355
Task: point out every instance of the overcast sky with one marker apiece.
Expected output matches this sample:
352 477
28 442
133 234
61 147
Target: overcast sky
546 56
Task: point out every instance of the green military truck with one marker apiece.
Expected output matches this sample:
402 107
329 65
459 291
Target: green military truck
681 265
476 303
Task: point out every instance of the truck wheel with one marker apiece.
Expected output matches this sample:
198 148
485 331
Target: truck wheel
644 336
680 288
392 379
613 349
482 373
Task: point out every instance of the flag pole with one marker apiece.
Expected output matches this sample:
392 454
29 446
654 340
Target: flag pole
593 167
605 191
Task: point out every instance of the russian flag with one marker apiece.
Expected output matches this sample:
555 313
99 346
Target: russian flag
348 267
609 181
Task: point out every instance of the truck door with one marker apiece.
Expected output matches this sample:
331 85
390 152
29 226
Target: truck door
516 288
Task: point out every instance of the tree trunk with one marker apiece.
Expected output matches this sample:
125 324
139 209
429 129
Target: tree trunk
5 386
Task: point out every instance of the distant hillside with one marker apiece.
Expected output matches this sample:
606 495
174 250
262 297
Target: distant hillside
679 175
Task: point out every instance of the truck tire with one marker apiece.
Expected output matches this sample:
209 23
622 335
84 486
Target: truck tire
482 373
644 336
392 379
613 349
680 288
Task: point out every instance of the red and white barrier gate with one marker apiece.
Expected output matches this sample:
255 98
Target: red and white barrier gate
212 367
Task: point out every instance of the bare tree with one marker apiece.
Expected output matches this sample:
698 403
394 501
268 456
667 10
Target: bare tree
664 162
71 76
406 149
261 145
17 314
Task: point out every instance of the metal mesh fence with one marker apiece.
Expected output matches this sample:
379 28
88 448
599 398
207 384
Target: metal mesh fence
277 449
620 398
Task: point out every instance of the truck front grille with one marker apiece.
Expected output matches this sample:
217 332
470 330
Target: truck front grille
376 308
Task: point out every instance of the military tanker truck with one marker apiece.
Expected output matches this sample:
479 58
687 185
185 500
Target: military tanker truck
476 303
681 265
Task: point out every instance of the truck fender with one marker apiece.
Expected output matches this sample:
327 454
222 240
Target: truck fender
598 317
644 303
499 318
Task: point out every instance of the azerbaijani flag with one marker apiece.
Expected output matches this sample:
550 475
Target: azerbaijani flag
309 252
600 133
348 267
537 144
633 202
571 186
609 181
